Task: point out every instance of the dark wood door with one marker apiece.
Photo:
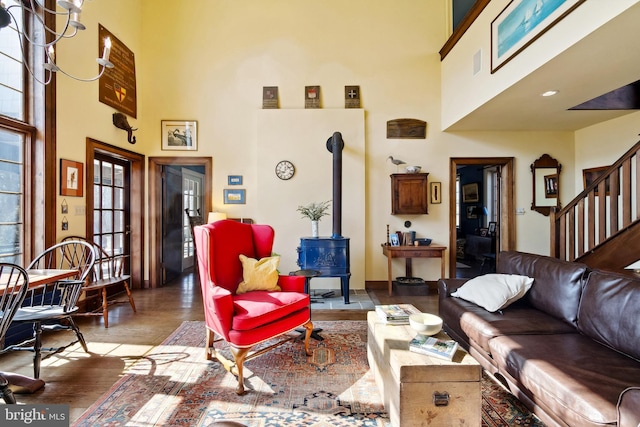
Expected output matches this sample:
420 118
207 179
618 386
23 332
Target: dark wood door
172 220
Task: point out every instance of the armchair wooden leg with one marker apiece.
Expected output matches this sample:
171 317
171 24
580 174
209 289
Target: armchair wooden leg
239 354
309 330
208 349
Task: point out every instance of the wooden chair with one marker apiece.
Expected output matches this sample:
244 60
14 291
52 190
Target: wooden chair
194 221
14 284
108 272
49 307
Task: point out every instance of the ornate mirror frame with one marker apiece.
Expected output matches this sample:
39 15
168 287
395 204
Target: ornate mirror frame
546 184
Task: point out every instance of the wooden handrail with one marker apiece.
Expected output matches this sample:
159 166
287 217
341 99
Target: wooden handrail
589 219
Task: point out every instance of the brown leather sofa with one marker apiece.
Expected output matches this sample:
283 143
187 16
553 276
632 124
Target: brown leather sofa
569 349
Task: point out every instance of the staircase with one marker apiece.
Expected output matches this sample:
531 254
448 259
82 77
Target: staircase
601 226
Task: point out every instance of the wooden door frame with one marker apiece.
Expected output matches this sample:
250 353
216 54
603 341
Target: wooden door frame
507 204
155 205
136 207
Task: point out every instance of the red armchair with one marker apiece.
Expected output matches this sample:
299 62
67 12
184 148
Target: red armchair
247 319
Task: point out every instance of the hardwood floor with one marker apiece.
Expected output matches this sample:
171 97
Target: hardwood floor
79 379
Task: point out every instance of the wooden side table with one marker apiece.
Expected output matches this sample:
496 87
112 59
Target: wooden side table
410 252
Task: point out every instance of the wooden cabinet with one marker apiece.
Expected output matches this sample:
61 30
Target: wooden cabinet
409 193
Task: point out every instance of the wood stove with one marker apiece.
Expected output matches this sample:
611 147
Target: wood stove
330 255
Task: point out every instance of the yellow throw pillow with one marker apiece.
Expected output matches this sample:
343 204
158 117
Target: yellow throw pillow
259 275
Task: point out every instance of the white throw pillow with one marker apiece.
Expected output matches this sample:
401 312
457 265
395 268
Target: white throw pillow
494 292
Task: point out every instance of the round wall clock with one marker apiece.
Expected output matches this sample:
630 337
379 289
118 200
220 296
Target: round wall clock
285 169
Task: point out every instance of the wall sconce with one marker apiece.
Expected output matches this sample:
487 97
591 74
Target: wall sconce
120 121
21 14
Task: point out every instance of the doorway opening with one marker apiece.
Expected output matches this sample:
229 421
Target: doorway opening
170 250
481 214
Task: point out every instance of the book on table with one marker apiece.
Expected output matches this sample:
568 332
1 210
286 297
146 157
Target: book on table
396 314
431 346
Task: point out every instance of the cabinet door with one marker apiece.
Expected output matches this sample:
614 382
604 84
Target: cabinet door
409 193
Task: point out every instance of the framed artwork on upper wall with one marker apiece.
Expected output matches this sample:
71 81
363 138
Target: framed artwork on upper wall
179 135
470 193
590 175
521 22
71 178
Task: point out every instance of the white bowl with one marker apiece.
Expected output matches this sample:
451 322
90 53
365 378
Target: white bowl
413 169
425 323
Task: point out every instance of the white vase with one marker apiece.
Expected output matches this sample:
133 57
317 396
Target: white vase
314 228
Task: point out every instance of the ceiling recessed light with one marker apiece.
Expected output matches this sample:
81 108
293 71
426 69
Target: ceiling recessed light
550 93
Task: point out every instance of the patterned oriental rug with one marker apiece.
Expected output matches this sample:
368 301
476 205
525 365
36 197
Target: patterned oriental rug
173 385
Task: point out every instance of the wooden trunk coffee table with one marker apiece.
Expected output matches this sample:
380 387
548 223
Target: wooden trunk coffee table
418 389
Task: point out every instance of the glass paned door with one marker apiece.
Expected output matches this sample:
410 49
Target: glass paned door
192 184
111 204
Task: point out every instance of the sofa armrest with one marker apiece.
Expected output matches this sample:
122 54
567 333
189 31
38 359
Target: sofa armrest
448 286
629 408
291 283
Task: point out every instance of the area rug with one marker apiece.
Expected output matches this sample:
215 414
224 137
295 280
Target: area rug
173 385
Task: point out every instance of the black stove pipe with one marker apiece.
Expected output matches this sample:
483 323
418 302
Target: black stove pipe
335 144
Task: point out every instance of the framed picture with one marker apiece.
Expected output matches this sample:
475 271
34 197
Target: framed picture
234 180
484 232
436 193
71 178
492 228
235 197
470 193
590 175
551 186
179 135
472 212
521 22
394 239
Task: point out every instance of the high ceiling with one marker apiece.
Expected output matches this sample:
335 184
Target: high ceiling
606 60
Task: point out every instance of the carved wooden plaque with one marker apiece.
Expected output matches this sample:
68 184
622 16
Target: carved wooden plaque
352 97
407 129
118 84
270 97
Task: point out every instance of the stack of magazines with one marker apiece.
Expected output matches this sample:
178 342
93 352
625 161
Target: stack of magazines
424 344
396 314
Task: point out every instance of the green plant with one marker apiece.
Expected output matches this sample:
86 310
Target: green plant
314 211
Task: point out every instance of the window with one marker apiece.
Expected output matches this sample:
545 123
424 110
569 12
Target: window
27 148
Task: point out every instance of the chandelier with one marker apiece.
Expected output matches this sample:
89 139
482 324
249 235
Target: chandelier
21 14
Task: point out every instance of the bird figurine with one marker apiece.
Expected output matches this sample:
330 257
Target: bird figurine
396 162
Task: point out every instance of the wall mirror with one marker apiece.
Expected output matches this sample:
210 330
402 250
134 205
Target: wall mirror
546 184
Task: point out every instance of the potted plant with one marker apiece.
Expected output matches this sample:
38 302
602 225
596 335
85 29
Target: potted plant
314 211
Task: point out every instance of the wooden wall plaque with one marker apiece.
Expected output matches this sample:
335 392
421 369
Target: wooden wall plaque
118 84
407 129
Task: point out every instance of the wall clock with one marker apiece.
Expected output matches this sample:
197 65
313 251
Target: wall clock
285 169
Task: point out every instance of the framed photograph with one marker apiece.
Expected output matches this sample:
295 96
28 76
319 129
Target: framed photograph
436 193
590 175
551 186
521 22
472 212
179 135
71 178
235 197
394 239
492 228
470 193
234 180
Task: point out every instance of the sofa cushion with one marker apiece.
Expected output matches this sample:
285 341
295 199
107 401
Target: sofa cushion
573 376
494 292
480 325
609 311
557 285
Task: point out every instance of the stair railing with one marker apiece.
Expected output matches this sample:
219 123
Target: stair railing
591 218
